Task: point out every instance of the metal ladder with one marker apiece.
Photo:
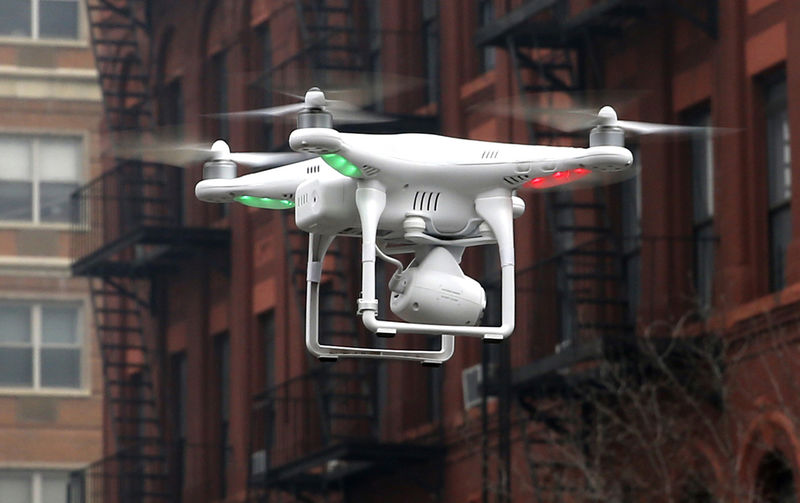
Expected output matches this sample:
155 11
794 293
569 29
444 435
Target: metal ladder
130 393
345 390
119 35
329 35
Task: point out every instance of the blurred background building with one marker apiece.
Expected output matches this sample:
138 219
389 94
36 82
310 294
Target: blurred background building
50 380
655 350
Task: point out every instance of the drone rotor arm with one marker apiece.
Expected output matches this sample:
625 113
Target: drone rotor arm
277 184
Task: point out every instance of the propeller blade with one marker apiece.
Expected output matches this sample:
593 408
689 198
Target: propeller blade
647 128
267 159
362 88
347 113
173 155
277 111
181 155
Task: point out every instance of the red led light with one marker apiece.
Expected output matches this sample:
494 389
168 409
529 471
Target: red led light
556 179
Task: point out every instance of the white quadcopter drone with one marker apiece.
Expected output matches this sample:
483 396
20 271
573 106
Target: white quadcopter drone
425 194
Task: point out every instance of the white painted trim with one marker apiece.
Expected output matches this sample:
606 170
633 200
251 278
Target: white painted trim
48 73
45 42
47 392
38 465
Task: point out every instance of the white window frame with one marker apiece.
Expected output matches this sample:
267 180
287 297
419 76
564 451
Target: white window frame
36 306
37 477
36 136
703 246
778 164
80 38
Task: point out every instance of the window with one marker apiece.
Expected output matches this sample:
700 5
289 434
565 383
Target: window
220 97
631 206
702 166
171 104
779 181
40 345
564 239
40 19
179 395
223 350
375 43
37 177
485 17
775 480
266 327
265 84
33 486
430 39
219 105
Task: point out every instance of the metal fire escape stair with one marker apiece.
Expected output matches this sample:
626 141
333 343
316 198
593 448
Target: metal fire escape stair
118 31
345 390
588 255
550 50
329 35
130 393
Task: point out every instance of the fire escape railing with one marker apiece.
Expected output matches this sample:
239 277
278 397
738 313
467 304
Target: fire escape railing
307 439
121 202
602 318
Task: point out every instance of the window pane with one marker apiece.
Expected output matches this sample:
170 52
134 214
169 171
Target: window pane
58 19
15 157
15 324
54 487
704 265
702 172
778 157
15 487
16 19
59 325
16 367
60 159
56 203
780 232
16 200
61 368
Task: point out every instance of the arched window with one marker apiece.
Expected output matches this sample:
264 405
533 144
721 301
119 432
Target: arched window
170 91
215 73
775 480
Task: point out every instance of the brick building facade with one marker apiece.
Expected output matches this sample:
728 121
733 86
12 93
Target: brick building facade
652 357
50 381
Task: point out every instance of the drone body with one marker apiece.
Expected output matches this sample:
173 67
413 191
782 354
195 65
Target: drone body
425 194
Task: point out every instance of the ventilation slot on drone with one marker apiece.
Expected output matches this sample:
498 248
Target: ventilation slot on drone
312 169
490 154
369 170
426 201
515 180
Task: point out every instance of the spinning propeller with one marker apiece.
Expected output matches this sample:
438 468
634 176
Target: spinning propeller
573 112
572 120
315 102
157 147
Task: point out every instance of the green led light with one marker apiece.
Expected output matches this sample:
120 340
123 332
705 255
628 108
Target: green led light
265 202
342 165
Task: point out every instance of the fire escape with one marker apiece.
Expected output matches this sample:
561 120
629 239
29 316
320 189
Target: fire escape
129 232
553 48
318 434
